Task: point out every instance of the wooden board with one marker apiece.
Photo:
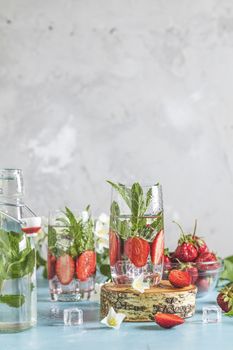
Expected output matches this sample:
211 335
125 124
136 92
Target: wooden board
141 307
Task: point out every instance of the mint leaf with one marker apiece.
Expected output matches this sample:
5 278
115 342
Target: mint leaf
137 208
114 218
52 239
227 273
79 235
12 300
138 223
123 191
148 198
24 266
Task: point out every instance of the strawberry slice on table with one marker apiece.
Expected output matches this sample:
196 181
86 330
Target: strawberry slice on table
114 247
179 279
168 320
86 265
140 251
157 248
51 266
65 269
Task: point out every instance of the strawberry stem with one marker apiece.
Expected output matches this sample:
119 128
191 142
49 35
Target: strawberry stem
179 227
195 228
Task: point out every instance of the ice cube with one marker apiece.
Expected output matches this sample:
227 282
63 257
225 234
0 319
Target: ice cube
73 317
211 314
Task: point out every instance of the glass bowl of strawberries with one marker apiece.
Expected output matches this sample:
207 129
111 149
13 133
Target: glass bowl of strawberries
193 256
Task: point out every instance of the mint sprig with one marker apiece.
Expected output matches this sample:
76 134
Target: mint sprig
138 203
79 234
15 262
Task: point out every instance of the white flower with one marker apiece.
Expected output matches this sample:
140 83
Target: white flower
113 319
101 233
101 245
139 284
104 218
85 216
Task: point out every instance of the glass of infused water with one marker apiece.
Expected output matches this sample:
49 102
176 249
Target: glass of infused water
71 255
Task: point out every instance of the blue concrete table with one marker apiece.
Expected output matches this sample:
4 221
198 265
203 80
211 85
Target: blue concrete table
50 332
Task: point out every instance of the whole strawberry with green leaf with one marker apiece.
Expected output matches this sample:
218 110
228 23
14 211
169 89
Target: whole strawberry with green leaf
186 250
225 298
199 242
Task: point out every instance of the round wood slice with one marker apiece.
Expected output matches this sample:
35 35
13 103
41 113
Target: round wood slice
141 307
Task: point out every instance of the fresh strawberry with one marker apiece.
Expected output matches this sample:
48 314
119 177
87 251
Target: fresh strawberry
65 269
186 250
168 320
200 245
203 284
85 265
179 278
114 246
199 242
51 266
207 261
157 248
140 251
225 298
192 271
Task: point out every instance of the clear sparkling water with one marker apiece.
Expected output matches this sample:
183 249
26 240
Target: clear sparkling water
211 314
73 317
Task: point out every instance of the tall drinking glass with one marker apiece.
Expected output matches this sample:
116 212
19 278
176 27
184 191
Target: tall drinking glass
71 256
136 236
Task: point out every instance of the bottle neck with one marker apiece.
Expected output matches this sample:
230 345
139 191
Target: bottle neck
11 187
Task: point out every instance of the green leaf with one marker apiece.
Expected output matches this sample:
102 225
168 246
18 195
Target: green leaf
137 223
105 270
227 274
114 217
137 209
12 300
39 260
52 239
78 232
22 267
123 191
148 198
229 313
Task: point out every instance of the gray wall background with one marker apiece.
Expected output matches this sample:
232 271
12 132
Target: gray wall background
123 90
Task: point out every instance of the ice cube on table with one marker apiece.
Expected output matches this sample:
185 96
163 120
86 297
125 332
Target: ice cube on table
211 314
73 317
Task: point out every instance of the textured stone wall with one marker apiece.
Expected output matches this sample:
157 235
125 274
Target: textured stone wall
124 90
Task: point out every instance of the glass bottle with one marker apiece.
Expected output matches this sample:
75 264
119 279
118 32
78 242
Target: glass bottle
17 258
